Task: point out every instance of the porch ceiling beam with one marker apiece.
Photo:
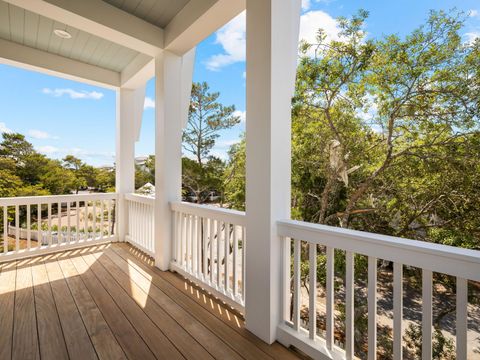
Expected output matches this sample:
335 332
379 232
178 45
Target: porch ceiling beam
101 19
138 72
33 59
197 20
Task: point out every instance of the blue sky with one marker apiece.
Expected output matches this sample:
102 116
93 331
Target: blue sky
60 116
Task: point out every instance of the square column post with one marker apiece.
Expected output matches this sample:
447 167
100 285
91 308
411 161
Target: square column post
272 38
124 155
173 86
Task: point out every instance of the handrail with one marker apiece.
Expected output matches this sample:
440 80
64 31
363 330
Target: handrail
227 215
147 200
33 200
445 259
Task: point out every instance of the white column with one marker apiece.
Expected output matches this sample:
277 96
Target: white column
172 87
272 37
124 155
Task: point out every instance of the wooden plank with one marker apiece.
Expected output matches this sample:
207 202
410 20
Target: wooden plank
372 308
31 29
427 315
462 306
17 23
25 337
202 306
8 274
50 335
130 341
4 21
182 330
397 311
150 333
217 338
77 340
100 333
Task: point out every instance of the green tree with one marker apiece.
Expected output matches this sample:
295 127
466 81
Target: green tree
75 165
206 118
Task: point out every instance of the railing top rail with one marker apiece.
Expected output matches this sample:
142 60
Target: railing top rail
32 200
227 215
148 200
436 257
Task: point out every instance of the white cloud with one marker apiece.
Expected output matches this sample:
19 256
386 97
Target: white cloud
471 36
244 75
473 13
311 21
241 114
41 135
4 128
306 4
233 41
73 94
47 149
232 36
149 103
78 152
225 144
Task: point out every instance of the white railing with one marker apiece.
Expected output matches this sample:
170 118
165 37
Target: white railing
42 224
141 225
209 247
308 238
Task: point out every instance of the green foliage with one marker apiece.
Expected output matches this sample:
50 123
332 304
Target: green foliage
205 119
234 176
25 172
442 348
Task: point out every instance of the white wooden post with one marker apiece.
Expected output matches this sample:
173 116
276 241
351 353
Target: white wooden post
172 94
272 39
125 155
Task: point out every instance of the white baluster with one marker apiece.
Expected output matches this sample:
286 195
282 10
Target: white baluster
219 239
349 305
49 224
212 232
397 311
462 306
69 231
312 309
296 284
29 224
330 331
5 229
427 314
235 262
226 257
372 308
17 228
77 218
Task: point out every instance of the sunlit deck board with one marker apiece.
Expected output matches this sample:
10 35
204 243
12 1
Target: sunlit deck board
111 302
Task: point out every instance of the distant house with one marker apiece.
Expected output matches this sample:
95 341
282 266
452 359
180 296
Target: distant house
148 190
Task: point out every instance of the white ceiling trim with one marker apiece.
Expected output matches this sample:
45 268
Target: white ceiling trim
138 72
198 20
33 59
101 19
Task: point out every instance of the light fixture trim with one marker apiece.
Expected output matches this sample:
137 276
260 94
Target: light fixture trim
64 34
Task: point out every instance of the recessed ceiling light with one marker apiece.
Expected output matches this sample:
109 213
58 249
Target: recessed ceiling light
62 34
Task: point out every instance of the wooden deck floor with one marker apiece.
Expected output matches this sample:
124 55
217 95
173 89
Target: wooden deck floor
109 302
